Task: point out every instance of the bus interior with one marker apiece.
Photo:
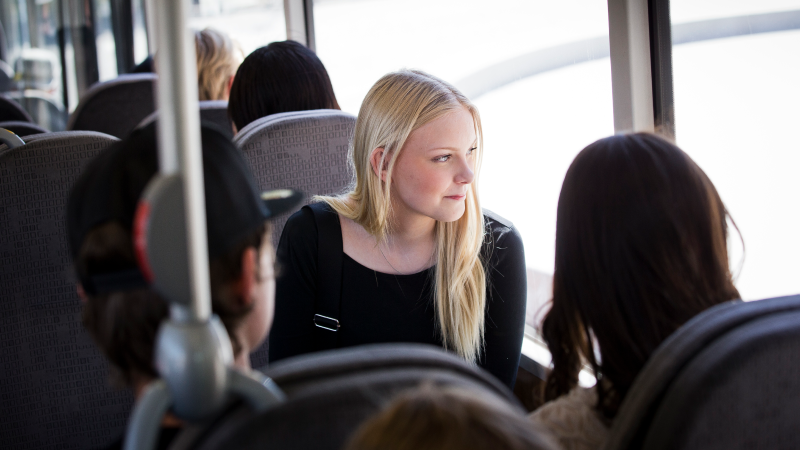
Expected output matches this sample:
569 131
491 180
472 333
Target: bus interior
718 77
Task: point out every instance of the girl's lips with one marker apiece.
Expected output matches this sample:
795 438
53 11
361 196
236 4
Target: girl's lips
456 197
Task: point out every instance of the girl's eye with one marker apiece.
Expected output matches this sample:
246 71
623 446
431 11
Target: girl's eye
442 158
472 150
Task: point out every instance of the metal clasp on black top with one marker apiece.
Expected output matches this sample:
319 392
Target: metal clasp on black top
327 323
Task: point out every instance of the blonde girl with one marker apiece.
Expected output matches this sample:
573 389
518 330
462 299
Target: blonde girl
407 255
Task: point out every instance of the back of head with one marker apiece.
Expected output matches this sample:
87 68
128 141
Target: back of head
121 311
641 247
447 418
218 57
281 77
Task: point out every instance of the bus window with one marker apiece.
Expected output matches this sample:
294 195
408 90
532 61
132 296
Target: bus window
140 48
538 71
253 23
104 34
33 56
736 96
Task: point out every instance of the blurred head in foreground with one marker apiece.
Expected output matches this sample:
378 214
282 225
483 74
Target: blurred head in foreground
447 418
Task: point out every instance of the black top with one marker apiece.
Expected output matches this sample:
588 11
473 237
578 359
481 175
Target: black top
376 307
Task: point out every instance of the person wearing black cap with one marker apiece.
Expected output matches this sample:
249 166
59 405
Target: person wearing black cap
121 312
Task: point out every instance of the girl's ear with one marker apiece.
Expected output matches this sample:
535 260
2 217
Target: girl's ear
247 279
375 161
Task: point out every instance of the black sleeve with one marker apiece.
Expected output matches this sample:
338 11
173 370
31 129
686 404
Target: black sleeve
292 331
507 286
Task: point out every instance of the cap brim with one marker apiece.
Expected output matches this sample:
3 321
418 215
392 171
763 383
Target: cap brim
280 201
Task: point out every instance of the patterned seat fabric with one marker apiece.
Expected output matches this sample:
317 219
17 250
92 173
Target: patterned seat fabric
117 106
304 150
54 390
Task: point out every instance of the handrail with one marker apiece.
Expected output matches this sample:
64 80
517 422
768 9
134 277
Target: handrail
179 139
10 139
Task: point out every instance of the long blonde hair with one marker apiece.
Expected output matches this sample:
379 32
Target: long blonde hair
398 104
218 57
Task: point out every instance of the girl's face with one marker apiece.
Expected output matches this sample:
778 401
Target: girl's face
435 168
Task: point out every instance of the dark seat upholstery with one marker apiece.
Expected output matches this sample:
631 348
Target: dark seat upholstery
117 106
11 110
54 387
213 111
727 379
303 150
21 128
330 393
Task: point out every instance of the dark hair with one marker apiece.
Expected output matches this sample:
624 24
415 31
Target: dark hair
124 324
281 77
640 249
448 418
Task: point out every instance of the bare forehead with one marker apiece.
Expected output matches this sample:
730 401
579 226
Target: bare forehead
455 129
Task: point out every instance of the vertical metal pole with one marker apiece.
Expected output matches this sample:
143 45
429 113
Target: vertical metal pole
631 80
308 10
295 13
661 67
179 137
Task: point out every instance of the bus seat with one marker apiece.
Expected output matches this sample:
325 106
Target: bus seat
21 128
216 112
11 110
726 379
330 393
54 390
302 150
116 106
211 111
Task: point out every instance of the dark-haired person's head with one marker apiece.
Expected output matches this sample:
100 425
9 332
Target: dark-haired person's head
641 248
120 310
449 418
281 77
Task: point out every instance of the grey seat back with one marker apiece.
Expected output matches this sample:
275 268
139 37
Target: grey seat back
53 380
12 110
116 106
726 379
21 128
304 150
211 111
329 394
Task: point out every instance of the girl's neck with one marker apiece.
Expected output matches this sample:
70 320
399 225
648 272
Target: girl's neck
410 229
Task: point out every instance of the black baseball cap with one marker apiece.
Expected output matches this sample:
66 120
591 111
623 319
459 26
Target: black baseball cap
110 187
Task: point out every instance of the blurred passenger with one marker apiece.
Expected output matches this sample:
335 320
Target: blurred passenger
281 77
418 259
447 418
218 57
641 248
120 311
